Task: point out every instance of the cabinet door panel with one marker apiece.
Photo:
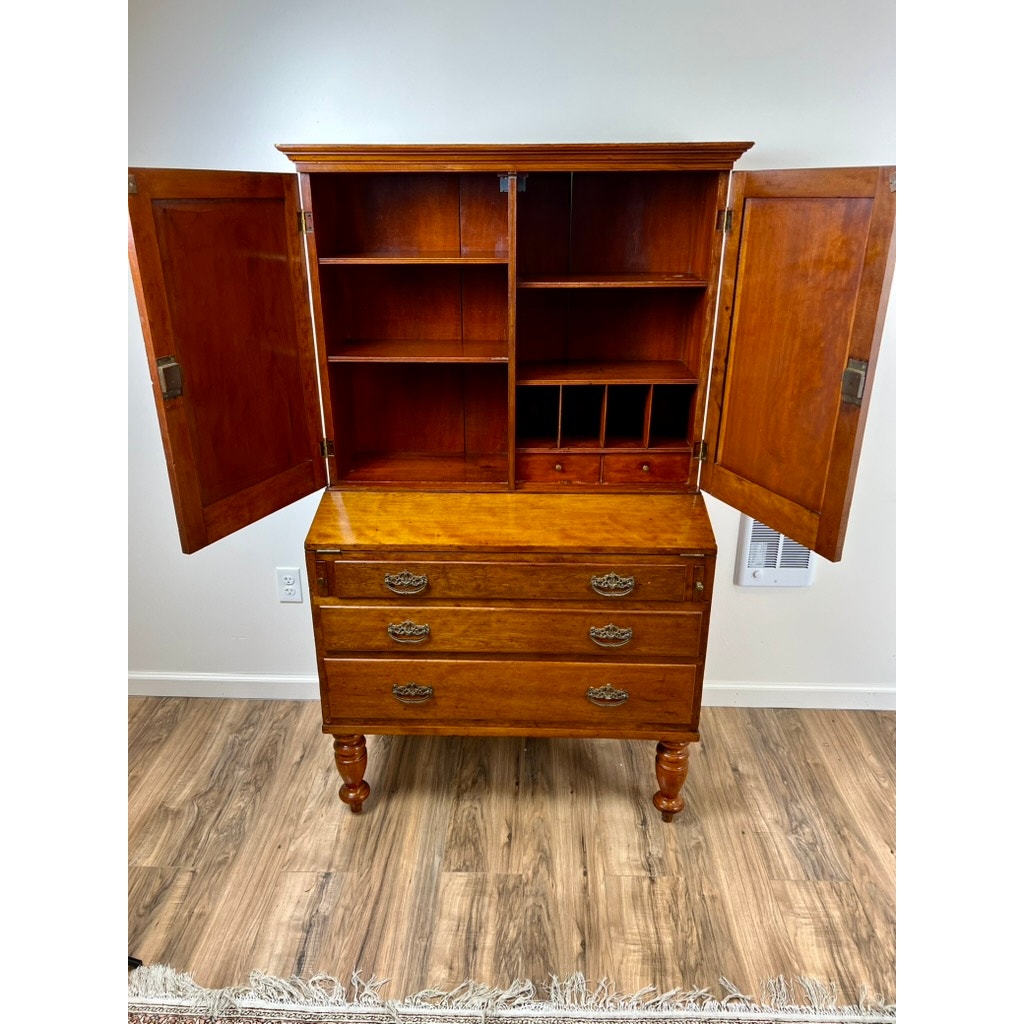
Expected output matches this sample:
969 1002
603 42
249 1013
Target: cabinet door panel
807 271
219 277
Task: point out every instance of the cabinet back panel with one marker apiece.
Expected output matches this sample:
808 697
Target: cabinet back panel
608 324
646 221
617 223
542 224
626 417
409 214
413 303
582 412
483 215
244 302
537 410
420 408
672 413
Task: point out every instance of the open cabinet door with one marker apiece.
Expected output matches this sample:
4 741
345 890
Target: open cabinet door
219 275
808 263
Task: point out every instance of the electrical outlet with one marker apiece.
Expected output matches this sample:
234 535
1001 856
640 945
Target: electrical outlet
289 585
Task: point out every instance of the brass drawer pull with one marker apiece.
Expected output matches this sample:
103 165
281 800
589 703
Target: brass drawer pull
611 636
408 632
412 693
612 585
405 582
607 696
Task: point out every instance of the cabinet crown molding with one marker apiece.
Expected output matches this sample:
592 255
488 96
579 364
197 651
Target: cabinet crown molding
651 156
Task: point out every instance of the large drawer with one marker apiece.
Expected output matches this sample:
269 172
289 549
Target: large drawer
617 580
511 630
503 696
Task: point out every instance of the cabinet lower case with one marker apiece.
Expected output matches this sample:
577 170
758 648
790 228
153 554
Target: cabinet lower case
503 614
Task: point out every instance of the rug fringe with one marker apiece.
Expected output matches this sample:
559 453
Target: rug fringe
164 986
161 985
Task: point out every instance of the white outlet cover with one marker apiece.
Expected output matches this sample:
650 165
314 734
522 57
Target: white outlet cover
289 585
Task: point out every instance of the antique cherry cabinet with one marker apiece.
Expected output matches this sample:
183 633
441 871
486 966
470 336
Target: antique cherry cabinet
513 370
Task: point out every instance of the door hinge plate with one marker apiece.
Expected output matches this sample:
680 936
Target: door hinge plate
854 377
305 222
327 448
700 451
503 182
133 188
168 371
724 220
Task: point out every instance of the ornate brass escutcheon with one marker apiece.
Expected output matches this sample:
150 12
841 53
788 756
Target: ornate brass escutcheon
607 696
405 582
611 636
612 585
412 693
408 632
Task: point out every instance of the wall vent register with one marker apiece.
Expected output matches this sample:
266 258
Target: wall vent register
766 558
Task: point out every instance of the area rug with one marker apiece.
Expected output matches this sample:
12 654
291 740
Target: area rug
160 995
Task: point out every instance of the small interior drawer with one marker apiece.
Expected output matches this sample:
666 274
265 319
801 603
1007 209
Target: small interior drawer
558 468
646 468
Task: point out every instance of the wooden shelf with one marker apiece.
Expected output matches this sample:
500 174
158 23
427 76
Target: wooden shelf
413 256
639 372
541 446
645 280
417 351
432 470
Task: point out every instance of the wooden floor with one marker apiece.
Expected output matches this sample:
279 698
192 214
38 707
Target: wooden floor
501 859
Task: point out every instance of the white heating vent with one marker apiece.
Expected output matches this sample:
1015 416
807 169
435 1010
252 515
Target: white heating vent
765 558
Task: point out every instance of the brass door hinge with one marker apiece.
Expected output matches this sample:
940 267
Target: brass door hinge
892 182
327 448
724 220
133 189
305 222
854 377
503 180
168 371
700 451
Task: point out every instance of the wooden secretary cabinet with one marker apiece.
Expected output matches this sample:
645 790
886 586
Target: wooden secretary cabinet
513 370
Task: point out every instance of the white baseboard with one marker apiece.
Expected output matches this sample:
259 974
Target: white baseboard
798 695
716 694
170 684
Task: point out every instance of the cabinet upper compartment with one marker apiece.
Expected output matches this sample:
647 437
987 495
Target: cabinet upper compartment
514 317
429 217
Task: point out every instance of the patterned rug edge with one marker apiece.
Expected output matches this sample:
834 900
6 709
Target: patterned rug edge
158 994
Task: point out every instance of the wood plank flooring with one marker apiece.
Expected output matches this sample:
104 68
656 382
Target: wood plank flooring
497 859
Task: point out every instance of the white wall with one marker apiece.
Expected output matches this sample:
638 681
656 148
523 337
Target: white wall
215 83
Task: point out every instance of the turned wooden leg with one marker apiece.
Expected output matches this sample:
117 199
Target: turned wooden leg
671 764
350 757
